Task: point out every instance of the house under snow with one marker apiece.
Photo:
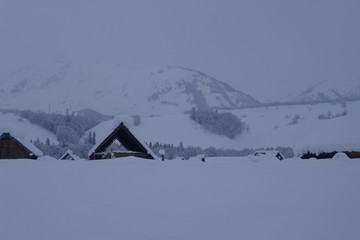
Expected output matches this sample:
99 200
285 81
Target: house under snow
131 146
69 155
13 147
329 151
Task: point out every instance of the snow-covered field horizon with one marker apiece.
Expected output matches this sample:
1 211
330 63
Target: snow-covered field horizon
224 198
315 127
295 126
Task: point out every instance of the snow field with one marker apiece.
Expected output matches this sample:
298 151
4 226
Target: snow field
224 198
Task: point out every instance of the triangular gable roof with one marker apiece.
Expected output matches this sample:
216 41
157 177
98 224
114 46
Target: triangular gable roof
126 138
28 146
69 155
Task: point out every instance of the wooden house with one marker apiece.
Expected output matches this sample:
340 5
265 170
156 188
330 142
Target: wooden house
15 148
133 147
69 155
326 155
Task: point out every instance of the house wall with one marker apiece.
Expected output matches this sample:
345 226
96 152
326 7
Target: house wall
324 155
10 149
100 156
353 154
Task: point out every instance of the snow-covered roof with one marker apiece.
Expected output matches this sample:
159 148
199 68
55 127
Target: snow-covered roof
70 153
271 153
22 141
267 152
104 129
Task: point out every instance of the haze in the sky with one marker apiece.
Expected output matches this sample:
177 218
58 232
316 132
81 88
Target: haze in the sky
263 48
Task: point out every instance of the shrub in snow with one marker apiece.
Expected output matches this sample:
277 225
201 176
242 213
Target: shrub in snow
136 120
344 113
295 120
329 115
322 117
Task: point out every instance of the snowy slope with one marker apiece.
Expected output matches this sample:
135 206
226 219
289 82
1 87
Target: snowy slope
275 126
112 89
268 127
325 91
137 199
23 129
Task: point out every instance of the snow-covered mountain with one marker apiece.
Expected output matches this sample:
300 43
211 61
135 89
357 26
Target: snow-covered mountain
63 84
325 91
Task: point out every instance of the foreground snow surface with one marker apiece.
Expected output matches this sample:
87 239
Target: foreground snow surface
224 198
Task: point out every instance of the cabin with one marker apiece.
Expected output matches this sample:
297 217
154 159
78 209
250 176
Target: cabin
131 146
69 155
270 153
16 148
327 155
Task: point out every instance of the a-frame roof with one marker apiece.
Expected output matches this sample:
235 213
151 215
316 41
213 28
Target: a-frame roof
126 138
69 155
33 151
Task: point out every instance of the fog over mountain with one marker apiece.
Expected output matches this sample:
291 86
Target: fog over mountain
61 84
264 48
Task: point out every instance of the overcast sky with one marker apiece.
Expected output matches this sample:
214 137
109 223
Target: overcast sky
260 47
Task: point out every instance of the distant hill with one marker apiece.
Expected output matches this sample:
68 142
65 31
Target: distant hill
62 84
325 91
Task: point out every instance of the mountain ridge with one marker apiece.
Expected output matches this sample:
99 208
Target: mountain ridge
323 92
112 89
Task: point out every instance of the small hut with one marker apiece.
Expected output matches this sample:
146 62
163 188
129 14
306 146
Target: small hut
326 155
270 153
132 146
329 151
69 155
12 147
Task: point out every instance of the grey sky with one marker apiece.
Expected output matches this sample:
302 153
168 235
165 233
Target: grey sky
261 47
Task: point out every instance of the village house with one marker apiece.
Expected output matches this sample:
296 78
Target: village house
12 147
132 146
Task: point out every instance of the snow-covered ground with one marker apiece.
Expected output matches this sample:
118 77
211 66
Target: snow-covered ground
275 126
137 199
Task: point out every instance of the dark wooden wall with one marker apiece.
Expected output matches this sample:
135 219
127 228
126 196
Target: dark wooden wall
10 149
107 155
353 154
325 155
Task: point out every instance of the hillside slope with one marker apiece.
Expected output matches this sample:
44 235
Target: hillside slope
111 89
22 128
